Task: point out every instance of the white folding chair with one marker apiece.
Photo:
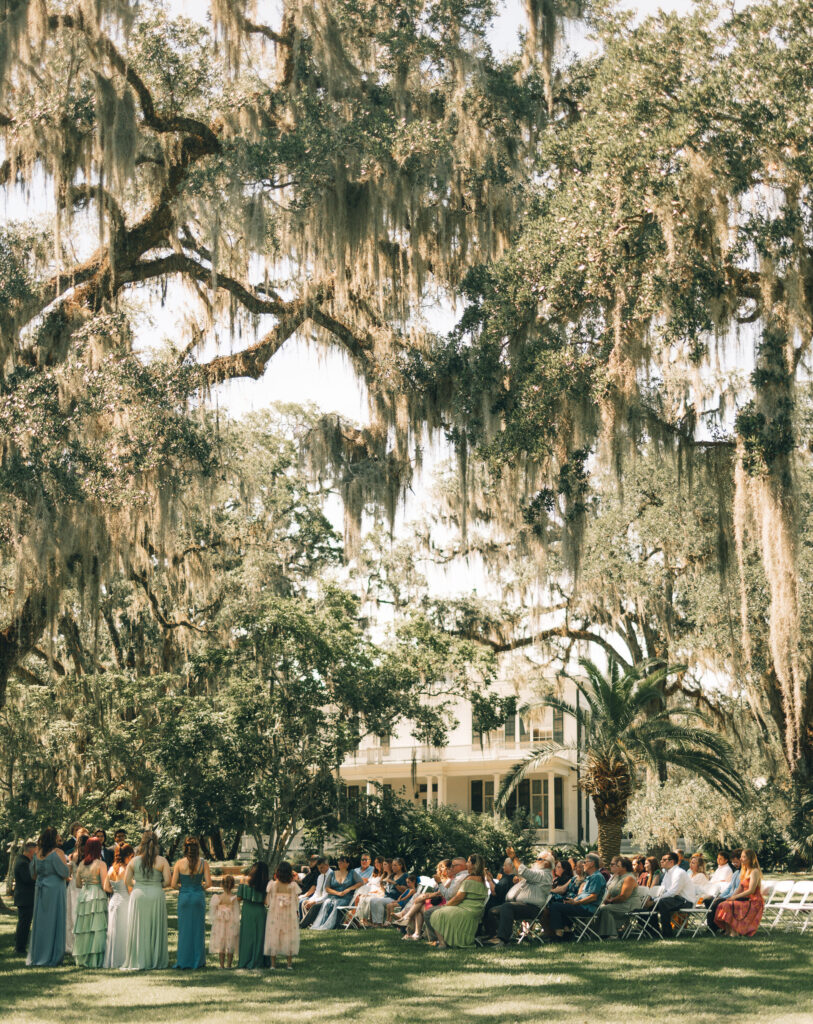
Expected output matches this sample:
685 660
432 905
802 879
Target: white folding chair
531 930
801 907
585 927
643 923
784 912
779 897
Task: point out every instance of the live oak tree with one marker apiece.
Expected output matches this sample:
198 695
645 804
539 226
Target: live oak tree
668 232
324 175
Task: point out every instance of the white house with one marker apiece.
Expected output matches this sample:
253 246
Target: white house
467 773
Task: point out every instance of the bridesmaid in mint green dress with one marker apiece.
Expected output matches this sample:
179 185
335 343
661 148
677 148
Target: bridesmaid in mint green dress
456 923
90 924
149 875
252 918
190 877
51 870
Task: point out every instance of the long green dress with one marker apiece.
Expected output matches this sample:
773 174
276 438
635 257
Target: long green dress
252 928
457 925
147 926
90 925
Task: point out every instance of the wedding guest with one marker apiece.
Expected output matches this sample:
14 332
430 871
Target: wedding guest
49 869
652 875
225 935
620 897
340 886
118 909
456 923
281 925
741 913
90 926
108 853
74 860
587 902
713 902
147 876
190 877
251 892
458 873
523 901
24 887
70 844
677 892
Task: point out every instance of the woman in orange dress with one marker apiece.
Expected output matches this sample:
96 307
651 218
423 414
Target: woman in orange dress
741 914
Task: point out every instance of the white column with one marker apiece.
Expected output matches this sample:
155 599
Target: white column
441 790
496 791
369 787
551 811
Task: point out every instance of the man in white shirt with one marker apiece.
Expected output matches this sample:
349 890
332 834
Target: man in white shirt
309 902
677 892
458 875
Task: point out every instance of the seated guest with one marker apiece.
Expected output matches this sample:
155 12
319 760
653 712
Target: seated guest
722 876
713 902
741 913
697 871
458 873
585 903
311 901
309 877
394 888
683 862
652 875
523 901
677 892
456 923
339 888
620 897
505 881
372 888
365 869
404 899
639 866
410 920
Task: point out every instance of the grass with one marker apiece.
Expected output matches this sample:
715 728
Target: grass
374 978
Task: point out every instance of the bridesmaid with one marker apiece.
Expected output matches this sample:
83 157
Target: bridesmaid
148 874
50 870
90 926
74 860
191 876
252 917
118 909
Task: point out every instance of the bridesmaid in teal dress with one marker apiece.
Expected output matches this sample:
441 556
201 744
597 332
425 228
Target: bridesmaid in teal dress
191 876
90 926
252 918
148 874
51 870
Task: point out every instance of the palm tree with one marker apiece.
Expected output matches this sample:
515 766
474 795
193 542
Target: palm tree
623 726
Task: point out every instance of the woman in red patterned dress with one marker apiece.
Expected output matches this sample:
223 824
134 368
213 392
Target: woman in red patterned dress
741 914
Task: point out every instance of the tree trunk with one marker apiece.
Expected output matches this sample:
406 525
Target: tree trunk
610 831
235 846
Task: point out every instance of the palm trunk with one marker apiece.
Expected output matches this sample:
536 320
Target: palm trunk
610 831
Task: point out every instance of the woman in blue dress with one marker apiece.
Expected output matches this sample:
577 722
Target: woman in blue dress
340 886
50 869
190 877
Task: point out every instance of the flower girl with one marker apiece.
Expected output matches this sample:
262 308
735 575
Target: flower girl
225 922
281 924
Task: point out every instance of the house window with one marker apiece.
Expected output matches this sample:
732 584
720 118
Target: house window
520 799
558 726
558 802
482 796
510 730
539 803
384 742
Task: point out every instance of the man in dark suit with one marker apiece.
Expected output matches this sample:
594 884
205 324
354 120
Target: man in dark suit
23 897
70 843
108 853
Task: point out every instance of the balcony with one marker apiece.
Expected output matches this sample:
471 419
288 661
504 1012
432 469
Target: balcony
497 749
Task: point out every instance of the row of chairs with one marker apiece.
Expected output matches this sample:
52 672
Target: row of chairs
788 905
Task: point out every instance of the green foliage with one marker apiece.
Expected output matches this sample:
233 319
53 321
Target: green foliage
388 825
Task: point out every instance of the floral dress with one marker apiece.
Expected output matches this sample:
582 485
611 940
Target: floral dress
281 923
225 934
743 915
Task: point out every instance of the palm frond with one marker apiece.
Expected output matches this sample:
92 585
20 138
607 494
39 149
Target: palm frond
534 759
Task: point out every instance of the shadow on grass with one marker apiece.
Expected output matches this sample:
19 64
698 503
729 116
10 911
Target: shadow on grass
371 977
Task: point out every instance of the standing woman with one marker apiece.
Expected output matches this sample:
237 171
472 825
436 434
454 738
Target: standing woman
74 860
147 875
191 876
252 917
90 926
118 912
49 869
741 914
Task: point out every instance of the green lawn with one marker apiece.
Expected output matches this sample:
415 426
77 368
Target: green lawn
374 978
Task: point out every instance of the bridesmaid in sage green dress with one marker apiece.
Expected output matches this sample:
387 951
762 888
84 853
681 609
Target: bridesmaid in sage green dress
51 870
149 875
252 918
191 876
90 925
